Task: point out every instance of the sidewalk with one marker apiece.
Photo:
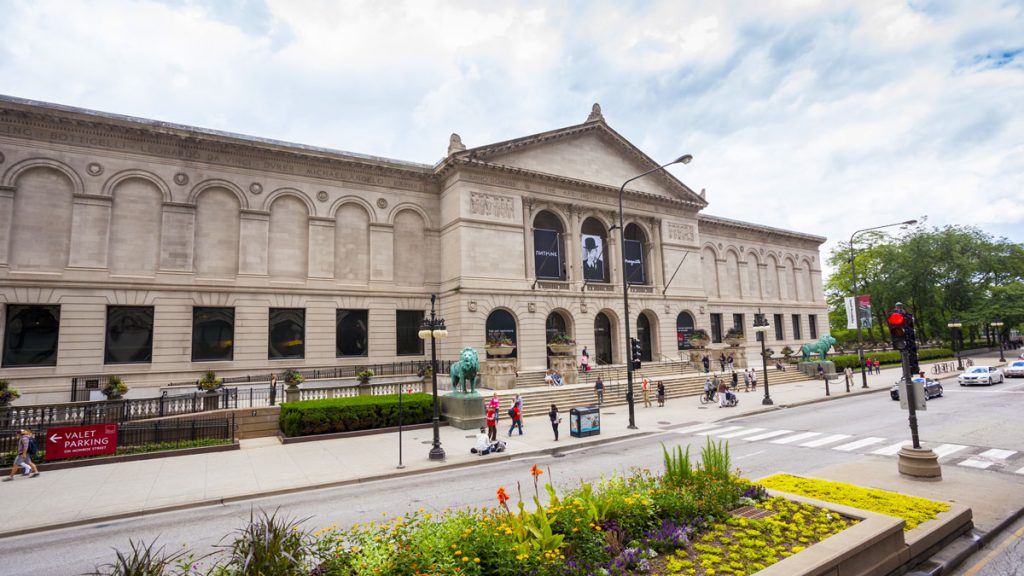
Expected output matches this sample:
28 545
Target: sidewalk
265 467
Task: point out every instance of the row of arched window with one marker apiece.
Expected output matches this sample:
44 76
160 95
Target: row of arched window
552 252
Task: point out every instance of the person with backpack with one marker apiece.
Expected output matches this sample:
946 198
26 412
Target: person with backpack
516 413
26 449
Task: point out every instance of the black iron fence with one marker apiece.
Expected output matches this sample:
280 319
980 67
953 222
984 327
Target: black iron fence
136 437
336 372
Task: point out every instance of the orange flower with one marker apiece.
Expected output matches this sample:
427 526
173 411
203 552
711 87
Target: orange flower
536 471
502 497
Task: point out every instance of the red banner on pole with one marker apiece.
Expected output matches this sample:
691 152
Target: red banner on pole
864 310
78 441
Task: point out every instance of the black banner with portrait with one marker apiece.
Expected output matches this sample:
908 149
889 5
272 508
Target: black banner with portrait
593 258
635 262
547 258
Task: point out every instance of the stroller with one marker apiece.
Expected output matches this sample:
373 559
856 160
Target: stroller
730 399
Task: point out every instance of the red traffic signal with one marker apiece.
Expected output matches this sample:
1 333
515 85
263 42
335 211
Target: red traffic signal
896 319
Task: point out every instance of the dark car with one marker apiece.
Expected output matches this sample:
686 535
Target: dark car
932 388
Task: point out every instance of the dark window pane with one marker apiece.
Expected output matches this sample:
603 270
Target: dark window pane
30 335
554 326
684 330
779 328
213 334
287 333
716 328
352 331
407 330
502 325
737 323
129 334
812 323
796 327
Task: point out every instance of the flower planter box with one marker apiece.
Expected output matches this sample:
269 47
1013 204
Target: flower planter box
562 349
500 350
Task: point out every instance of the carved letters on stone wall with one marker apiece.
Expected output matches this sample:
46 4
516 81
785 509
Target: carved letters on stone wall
491 205
680 232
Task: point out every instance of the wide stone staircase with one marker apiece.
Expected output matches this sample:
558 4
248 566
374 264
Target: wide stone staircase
682 383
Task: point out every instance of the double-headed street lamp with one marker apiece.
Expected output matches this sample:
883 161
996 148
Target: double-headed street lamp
997 326
958 340
684 159
853 272
434 329
761 326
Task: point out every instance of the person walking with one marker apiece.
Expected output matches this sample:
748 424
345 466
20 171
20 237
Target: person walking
730 362
753 380
599 390
821 371
555 420
706 362
722 389
708 389
849 376
661 393
23 459
647 392
495 403
516 413
492 423
721 361
735 380
878 366
746 380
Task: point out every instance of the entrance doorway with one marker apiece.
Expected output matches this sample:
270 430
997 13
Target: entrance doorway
602 339
643 334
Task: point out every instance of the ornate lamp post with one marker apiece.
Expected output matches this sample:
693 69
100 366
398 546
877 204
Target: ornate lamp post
957 337
853 272
433 328
997 326
684 159
761 326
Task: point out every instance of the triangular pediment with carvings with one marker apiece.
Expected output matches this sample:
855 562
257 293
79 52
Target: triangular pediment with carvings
591 152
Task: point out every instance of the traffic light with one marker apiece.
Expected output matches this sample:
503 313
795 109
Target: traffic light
898 330
636 353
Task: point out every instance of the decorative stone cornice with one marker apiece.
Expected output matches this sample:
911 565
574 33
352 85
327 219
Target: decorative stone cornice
761 230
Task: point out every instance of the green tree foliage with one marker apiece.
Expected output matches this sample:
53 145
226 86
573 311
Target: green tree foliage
939 273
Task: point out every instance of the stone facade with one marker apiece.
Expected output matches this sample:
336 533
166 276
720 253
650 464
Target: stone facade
100 211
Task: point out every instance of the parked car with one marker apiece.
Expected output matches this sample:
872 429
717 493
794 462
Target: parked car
932 388
981 375
1015 369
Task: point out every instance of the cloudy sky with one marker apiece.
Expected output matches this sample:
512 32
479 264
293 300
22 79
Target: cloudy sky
822 117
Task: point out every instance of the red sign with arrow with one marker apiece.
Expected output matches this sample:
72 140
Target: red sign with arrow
78 441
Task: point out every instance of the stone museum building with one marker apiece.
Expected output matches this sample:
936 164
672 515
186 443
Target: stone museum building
157 251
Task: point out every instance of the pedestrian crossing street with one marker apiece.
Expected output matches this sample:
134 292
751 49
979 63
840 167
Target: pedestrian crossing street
980 458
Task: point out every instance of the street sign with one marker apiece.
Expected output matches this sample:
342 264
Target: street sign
919 396
78 441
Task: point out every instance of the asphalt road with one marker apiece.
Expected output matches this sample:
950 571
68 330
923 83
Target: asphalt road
986 417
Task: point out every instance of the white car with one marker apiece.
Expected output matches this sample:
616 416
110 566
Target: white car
1015 369
981 375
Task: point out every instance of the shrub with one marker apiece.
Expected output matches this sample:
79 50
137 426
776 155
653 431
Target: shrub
7 394
114 388
364 375
355 413
293 378
893 357
146 560
209 381
269 545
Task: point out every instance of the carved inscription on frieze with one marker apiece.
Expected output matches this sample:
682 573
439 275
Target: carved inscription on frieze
491 205
680 232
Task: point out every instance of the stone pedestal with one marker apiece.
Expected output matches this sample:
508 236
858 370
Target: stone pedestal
463 411
919 462
211 400
498 373
811 368
566 366
291 394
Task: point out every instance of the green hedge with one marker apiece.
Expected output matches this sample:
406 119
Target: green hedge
355 413
892 357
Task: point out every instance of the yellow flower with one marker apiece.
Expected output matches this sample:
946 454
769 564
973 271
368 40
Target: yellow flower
476 560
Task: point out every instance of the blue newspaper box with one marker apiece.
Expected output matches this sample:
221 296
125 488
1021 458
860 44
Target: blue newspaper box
584 421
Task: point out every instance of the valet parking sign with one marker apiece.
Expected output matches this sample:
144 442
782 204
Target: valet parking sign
78 441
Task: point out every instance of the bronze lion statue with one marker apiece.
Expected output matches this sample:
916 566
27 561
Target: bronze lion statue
821 347
465 371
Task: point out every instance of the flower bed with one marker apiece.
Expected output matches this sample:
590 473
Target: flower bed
912 509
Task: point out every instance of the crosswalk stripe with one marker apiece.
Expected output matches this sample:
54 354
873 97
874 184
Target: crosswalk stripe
741 433
695 428
859 444
797 438
997 453
826 440
767 435
947 449
890 450
975 463
1021 471
717 432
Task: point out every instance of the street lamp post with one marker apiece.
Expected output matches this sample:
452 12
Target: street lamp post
997 326
434 329
684 159
853 272
955 334
761 326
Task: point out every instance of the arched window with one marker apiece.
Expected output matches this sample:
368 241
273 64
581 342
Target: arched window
41 226
645 336
554 326
684 330
501 326
548 247
636 255
602 339
595 251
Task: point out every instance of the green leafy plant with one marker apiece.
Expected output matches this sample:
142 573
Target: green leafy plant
699 338
114 388
7 393
353 413
146 560
787 352
561 338
678 471
269 545
364 375
293 378
209 381
499 340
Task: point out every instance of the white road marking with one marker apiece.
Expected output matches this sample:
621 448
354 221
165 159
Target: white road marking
859 444
890 450
1021 471
975 463
998 454
741 433
797 438
947 449
762 452
826 440
719 431
695 428
771 434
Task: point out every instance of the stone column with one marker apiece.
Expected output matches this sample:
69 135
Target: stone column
6 214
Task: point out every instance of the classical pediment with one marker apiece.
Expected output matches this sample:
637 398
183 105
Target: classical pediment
590 152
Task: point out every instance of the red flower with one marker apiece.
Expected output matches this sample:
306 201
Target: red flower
536 471
502 497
